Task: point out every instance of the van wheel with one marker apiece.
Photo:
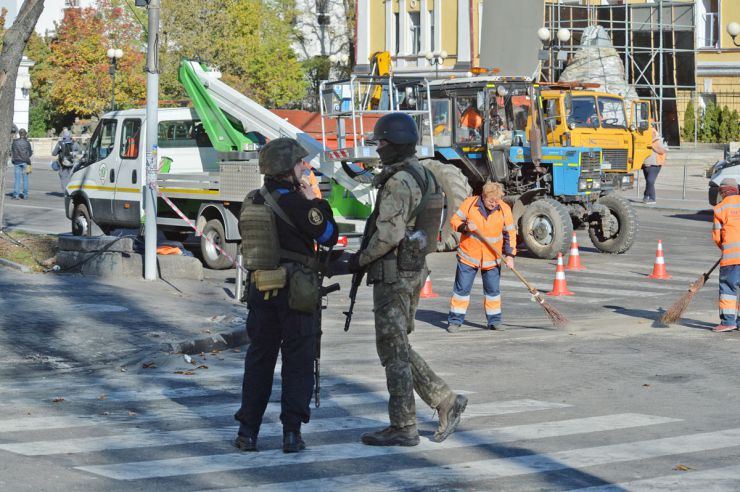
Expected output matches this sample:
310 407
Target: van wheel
81 221
213 258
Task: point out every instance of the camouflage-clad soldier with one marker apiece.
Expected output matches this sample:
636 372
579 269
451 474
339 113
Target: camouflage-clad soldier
396 291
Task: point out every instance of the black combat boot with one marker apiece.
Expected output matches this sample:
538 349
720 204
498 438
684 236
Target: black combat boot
293 442
392 436
246 442
449 412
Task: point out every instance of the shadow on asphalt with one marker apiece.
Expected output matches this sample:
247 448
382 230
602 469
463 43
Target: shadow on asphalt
703 216
650 315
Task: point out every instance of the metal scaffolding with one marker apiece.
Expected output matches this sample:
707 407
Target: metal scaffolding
654 40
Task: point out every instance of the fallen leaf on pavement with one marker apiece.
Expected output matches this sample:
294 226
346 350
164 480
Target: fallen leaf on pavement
123 369
646 385
187 358
105 413
202 366
185 373
681 468
206 331
103 396
149 365
237 349
131 413
58 399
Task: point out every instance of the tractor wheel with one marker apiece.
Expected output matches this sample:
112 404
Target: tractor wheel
623 226
212 257
455 187
546 228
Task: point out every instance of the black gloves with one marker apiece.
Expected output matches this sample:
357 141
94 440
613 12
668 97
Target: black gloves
354 263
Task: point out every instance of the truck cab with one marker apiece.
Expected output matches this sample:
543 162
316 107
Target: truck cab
585 118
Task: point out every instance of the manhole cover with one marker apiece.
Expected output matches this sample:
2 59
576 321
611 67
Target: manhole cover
98 308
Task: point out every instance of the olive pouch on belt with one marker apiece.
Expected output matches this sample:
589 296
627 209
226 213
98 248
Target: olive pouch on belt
268 280
260 243
304 289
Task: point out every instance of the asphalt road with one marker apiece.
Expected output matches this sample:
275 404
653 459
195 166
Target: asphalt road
613 402
43 212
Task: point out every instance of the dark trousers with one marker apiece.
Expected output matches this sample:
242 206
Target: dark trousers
272 327
651 174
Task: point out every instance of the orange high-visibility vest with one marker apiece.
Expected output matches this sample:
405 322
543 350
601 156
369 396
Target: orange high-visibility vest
314 184
475 247
726 230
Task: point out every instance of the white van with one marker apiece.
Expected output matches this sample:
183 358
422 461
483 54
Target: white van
106 186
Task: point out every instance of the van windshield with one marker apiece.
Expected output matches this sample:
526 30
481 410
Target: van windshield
182 133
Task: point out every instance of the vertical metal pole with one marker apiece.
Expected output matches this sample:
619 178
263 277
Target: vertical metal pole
637 184
113 86
239 282
152 122
683 192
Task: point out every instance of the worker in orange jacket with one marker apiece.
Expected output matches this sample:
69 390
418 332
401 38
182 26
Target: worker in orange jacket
488 234
726 234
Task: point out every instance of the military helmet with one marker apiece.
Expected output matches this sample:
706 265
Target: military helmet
280 155
396 128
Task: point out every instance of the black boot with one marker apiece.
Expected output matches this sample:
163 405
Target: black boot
392 436
246 443
293 442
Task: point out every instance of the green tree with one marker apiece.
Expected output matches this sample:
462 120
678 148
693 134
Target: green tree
76 71
724 133
255 57
689 123
734 126
710 124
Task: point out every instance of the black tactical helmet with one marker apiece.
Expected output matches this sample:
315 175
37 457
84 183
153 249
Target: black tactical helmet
280 155
396 128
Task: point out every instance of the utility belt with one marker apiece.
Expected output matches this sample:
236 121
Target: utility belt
300 274
404 261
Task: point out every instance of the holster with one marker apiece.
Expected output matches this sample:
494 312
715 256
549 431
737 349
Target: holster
412 251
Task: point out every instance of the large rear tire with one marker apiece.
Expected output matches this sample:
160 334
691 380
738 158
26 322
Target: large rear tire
625 224
455 187
546 228
212 257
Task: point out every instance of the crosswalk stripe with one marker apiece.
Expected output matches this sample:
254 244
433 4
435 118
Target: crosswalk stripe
491 469
717 480
137 438
179 412
238 461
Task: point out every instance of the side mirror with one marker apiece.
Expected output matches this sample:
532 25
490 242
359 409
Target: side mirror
643 126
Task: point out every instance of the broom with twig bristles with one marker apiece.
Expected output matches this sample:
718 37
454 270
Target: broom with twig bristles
678 307
556 317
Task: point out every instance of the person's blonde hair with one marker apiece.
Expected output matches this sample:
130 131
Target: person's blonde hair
494 190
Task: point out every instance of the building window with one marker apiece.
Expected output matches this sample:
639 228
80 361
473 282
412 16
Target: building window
710 20
415 28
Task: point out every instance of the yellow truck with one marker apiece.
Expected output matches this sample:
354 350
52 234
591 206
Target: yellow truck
576 116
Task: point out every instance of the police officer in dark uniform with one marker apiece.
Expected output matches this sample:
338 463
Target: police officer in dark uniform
301 220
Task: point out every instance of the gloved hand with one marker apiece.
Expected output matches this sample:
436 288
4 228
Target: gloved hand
354 263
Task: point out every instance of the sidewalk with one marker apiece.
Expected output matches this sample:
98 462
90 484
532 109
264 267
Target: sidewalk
68 321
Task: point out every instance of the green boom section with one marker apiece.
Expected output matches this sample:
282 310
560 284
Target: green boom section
343 204
223 135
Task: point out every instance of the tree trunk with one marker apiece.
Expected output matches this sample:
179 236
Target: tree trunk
14 44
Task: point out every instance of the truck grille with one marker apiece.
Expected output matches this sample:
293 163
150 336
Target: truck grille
590 162
617 158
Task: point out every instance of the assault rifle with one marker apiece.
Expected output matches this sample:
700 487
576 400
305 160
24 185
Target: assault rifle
323 292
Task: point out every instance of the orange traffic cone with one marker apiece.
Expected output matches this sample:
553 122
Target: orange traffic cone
659 270
426 291
559 286
574 260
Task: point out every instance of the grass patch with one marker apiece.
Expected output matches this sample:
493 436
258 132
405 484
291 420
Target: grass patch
42 246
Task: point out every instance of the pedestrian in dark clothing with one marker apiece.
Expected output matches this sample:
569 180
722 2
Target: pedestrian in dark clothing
275 322
652 166
66 150
20 155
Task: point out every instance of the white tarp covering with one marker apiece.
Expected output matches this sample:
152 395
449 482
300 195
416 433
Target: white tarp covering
596 61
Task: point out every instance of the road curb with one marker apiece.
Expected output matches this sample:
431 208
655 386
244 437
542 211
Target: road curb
14 265
219 341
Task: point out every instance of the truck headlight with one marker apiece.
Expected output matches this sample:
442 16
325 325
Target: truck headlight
596 185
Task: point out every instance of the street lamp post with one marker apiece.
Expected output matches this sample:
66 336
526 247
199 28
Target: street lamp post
545 36
114 54
733 29
26 88
436 58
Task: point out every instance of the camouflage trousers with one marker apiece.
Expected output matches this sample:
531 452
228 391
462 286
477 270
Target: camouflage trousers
405 371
